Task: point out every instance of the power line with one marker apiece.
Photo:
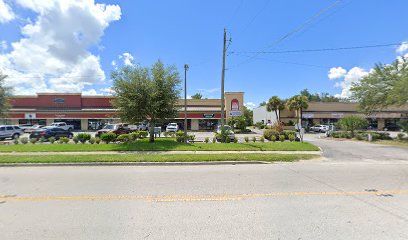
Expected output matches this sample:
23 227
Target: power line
300 27
319 49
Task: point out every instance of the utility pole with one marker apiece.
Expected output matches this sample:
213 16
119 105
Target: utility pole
222 80
185 102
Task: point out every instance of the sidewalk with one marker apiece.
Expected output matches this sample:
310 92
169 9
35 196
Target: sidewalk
155 152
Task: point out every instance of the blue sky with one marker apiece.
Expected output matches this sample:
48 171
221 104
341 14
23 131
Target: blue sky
179 32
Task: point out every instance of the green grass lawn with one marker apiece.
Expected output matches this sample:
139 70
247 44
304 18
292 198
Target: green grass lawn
161 144
155 158
393 143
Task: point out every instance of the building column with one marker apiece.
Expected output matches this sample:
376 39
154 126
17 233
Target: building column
84 124
49 121
381 123
194 124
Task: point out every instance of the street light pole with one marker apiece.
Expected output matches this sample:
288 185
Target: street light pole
222 79
185 102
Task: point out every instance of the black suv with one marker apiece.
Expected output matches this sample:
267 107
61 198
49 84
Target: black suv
51 132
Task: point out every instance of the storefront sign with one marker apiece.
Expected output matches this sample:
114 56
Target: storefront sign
59 100
208 115
235 113
337 115
59 115
30 116
234 105
308 115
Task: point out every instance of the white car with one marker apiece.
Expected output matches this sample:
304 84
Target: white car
320 128
62 125
172 127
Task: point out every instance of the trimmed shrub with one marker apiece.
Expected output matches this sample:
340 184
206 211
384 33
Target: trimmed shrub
75 139
42 140
97 140
273 138
134 135
33 140
262 139
246 139
51 140
235 140
228 140
15 141
254 139
269 133
92 140
400 136
124 138
214 140
291 137
143 134
287 133
191 137
83 137
24 140
282 138
206 140
108 137
180 136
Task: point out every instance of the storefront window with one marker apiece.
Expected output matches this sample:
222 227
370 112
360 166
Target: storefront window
372 123
5 121
207 124
96 124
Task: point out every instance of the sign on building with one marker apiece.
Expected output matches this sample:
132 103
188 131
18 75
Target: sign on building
234 105
235 113
208 115
30 116
308 115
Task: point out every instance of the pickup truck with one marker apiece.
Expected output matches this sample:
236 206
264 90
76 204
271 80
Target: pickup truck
63 125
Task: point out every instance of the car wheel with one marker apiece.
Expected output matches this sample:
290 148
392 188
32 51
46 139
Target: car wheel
16 136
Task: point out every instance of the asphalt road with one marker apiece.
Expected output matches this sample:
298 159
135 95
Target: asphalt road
337 197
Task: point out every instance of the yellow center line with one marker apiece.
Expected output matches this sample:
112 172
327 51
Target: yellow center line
209 197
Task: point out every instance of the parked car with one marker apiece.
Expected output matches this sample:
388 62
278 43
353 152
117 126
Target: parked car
32 128
143 126
227 128
10 131
319 128
48 132
63 125
120 128
172 127
391 127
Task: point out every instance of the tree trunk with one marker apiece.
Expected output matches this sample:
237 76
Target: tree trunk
277 117
151 137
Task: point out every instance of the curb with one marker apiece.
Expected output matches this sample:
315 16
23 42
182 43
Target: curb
133 164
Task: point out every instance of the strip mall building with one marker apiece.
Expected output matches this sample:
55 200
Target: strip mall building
92 112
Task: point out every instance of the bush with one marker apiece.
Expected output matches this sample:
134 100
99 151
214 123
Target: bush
92 140
15 141
278 127
214 140
33 140
124 138
259 125
287 133
206 140
51 140
108 137
235 140
227 140
400 136
42 140
291 137
191 137
134 135
269 133
262 139
63 140
97 140
353 123
180 136
282 137
83 137
24 140
143 134
273 138
75 139
254 139
246 139
360 136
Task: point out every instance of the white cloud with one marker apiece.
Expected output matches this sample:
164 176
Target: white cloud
250 105
352 76
336 73
402 48
90 92
6 13
53 53
3 46
107 91
113 63
127 59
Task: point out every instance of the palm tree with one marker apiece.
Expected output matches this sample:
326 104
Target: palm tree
275 104
298 104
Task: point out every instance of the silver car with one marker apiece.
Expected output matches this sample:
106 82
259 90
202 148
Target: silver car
10 131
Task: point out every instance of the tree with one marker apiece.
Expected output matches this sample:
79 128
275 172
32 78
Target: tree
319 97
298 104
262 104
384 86
249 116
5 92
197 96
353 123
404 125
238 122
275 104
144 94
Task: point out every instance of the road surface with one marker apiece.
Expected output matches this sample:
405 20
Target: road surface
342 196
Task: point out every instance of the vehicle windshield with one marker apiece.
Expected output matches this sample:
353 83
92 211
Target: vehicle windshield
109 126
172 125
